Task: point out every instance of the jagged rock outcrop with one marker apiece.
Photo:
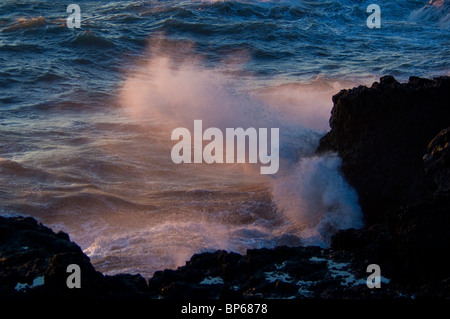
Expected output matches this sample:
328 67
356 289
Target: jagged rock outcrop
381 133
400 169
282 272
34 260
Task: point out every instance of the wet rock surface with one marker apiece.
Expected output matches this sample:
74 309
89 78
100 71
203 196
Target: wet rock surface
393 140
34 261
283 272
382 133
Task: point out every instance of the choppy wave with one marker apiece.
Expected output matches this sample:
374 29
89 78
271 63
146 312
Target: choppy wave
90 39
437 12
26 23
11 169
315 197
171 244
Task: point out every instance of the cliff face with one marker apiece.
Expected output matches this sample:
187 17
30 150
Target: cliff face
393 140
381 134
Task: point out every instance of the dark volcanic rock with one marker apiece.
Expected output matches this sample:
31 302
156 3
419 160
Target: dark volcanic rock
422 240
421 231
282 272
34 260
437 160
381 133
410 247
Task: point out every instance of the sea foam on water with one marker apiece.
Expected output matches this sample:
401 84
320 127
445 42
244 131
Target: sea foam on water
308 193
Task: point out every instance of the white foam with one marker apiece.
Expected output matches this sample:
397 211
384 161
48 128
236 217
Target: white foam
341 271
212 281
38 281
315 197
170 244
435 12
280 266
310 194
304 287
273 276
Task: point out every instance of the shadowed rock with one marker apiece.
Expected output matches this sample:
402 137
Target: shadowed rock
381 133
34 260
437 160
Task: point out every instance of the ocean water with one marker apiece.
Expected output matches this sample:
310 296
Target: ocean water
86 117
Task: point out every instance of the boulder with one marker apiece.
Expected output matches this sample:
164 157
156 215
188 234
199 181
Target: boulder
34 261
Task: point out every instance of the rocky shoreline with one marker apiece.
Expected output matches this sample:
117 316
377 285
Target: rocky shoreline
393 139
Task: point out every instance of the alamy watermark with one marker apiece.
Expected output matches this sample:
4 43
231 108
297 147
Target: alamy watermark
213 152
374 279
74 279
374 20
74 19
